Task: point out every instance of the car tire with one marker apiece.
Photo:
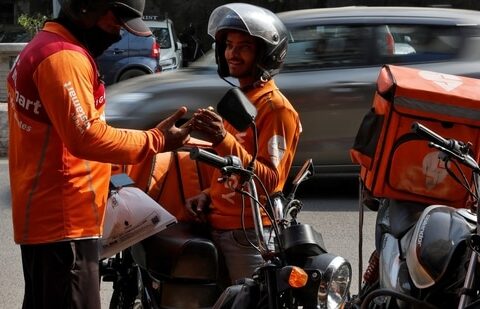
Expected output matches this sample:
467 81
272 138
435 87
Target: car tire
131 73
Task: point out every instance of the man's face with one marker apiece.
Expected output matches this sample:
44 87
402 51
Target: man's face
109 23
240 53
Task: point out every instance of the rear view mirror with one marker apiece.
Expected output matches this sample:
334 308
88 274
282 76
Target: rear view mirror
304 173
237 109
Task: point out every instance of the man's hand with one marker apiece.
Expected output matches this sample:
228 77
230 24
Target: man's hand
210 124
198 206
174 137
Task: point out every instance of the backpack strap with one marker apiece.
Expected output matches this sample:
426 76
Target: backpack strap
189 175
158 174
179 178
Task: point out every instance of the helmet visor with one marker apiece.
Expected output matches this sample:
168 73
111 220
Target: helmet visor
256 21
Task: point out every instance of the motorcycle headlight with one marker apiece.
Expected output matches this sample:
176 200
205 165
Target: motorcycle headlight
335 282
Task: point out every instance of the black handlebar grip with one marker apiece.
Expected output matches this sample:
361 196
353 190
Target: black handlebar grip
209 158
425 132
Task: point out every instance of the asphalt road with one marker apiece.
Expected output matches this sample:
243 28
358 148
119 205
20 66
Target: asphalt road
11 276
329 205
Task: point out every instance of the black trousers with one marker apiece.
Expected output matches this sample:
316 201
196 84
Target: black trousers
61 275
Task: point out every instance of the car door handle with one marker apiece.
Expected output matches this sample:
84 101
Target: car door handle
117 51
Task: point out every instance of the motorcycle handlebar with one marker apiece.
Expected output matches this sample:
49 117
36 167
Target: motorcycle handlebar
425 132
456 148
211 158
232 164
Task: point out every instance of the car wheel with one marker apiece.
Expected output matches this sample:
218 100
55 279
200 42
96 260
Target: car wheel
131 73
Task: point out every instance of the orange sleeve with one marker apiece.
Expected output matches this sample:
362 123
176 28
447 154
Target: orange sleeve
278 134
65 83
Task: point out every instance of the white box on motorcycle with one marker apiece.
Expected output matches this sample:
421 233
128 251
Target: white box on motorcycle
397 163
130 217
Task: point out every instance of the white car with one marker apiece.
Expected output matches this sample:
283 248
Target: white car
171 56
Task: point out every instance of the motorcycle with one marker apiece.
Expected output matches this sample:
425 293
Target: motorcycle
180 267
427 256
191 45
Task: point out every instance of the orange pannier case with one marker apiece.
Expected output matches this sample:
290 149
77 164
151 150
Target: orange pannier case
398 164
170 178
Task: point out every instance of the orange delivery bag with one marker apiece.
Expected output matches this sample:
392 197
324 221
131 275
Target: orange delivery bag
170 178
398 164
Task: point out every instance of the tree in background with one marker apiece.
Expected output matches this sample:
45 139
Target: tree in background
32 23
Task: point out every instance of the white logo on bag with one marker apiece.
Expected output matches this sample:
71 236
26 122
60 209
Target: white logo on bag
434 170
446 81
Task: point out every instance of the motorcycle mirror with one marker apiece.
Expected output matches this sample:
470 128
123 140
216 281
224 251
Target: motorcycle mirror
237 109
305 172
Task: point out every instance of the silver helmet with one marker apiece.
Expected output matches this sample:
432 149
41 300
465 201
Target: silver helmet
258 22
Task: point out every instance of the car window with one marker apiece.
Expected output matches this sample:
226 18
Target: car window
418 43
325 46
163 37
328 46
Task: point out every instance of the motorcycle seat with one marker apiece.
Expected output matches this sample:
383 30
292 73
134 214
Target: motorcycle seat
182 251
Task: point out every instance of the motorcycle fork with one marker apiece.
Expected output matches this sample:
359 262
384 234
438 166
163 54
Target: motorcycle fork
469 283
269 291
278 293
272 291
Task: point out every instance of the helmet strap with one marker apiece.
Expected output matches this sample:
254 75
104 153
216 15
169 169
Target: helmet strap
228 82
263 74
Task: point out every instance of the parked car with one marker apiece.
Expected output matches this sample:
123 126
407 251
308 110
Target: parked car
171 56
134 56
330 72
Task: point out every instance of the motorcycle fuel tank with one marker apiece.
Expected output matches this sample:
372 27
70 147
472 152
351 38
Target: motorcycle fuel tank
437 235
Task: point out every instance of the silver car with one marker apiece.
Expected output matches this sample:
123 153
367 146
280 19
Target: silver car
332 64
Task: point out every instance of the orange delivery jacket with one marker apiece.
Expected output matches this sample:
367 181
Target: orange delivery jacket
60 147
279 129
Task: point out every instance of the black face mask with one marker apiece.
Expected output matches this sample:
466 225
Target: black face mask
97 41
94 39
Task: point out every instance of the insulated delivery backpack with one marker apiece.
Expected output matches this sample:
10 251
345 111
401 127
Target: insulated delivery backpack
397 163
170 178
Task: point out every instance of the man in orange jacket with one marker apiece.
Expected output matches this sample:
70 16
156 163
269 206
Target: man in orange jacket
60 149
251 45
